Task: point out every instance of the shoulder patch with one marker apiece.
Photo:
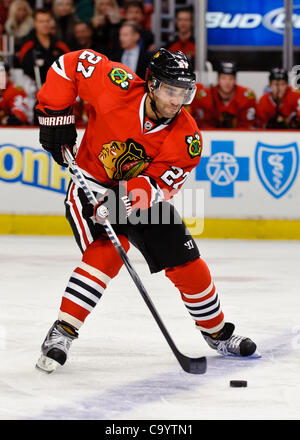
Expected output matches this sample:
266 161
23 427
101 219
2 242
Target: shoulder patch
120 77
201 93
194 145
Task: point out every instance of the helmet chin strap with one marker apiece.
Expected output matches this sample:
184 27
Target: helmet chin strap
154 109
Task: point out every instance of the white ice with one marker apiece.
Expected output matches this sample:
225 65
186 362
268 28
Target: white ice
121 367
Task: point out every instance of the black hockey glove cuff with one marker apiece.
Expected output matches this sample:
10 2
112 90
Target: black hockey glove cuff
57 128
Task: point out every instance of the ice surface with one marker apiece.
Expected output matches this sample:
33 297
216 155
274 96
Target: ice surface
121 367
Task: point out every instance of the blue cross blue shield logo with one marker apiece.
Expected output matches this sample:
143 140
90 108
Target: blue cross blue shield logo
223 168
277 167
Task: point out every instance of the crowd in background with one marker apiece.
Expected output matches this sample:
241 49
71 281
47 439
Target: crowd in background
121 30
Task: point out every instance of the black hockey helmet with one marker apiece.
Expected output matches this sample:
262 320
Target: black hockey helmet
278 73
174 69
227 67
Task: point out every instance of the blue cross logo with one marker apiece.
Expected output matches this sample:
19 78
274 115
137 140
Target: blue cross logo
223 168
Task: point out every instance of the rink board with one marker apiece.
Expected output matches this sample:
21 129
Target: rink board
246 186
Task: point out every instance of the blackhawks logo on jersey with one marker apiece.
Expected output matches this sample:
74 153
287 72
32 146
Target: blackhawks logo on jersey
201 94
249 94
124 160
120 77
194 145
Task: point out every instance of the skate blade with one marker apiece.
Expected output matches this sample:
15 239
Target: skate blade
46 364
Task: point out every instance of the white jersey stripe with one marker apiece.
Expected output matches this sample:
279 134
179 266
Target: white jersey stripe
95 272
201 303
75 219
201 294
60 71
79 205
207 318
78 301
88 281
83 291
198 313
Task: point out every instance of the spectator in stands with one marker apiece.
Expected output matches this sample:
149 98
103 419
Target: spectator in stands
226 104
41 48
84 38
65 17
106 23
84 10
280 107
53 27
130 52
185 40
45 4
19 22
134 11
14 109
4 7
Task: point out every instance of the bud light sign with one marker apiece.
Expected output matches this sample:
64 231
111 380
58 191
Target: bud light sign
249 23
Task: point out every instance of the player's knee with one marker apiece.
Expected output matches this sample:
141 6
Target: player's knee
190 277
102 255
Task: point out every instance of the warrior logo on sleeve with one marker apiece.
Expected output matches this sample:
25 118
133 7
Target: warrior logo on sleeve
123 160
194 145
120 77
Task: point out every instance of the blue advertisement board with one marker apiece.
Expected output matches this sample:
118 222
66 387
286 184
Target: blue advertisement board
249 22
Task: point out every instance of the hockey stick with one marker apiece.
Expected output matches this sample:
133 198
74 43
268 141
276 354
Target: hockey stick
190 365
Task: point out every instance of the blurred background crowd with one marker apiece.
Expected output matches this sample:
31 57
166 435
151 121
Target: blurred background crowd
34 33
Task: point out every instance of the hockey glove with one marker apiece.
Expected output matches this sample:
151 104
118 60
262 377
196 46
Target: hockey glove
57 128
115 206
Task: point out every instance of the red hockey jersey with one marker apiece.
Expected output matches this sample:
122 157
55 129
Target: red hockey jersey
120 143
13 102
284 115
210 111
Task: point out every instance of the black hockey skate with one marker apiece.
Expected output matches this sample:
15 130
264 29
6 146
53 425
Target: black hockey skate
228 344
56 346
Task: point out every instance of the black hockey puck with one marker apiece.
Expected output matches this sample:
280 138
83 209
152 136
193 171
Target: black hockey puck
238 383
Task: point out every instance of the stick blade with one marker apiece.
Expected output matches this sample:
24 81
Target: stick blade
193 365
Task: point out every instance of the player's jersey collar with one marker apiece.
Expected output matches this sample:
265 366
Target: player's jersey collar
148 126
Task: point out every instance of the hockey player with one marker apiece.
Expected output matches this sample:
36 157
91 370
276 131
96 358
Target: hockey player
139 139
14 108
226 104
280 107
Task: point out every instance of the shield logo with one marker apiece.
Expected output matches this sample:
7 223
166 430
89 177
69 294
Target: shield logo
277 167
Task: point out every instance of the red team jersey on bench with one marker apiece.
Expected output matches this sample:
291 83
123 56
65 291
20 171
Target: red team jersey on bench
210 111
267 109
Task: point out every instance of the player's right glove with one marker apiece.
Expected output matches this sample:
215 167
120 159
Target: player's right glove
57 128
114 206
